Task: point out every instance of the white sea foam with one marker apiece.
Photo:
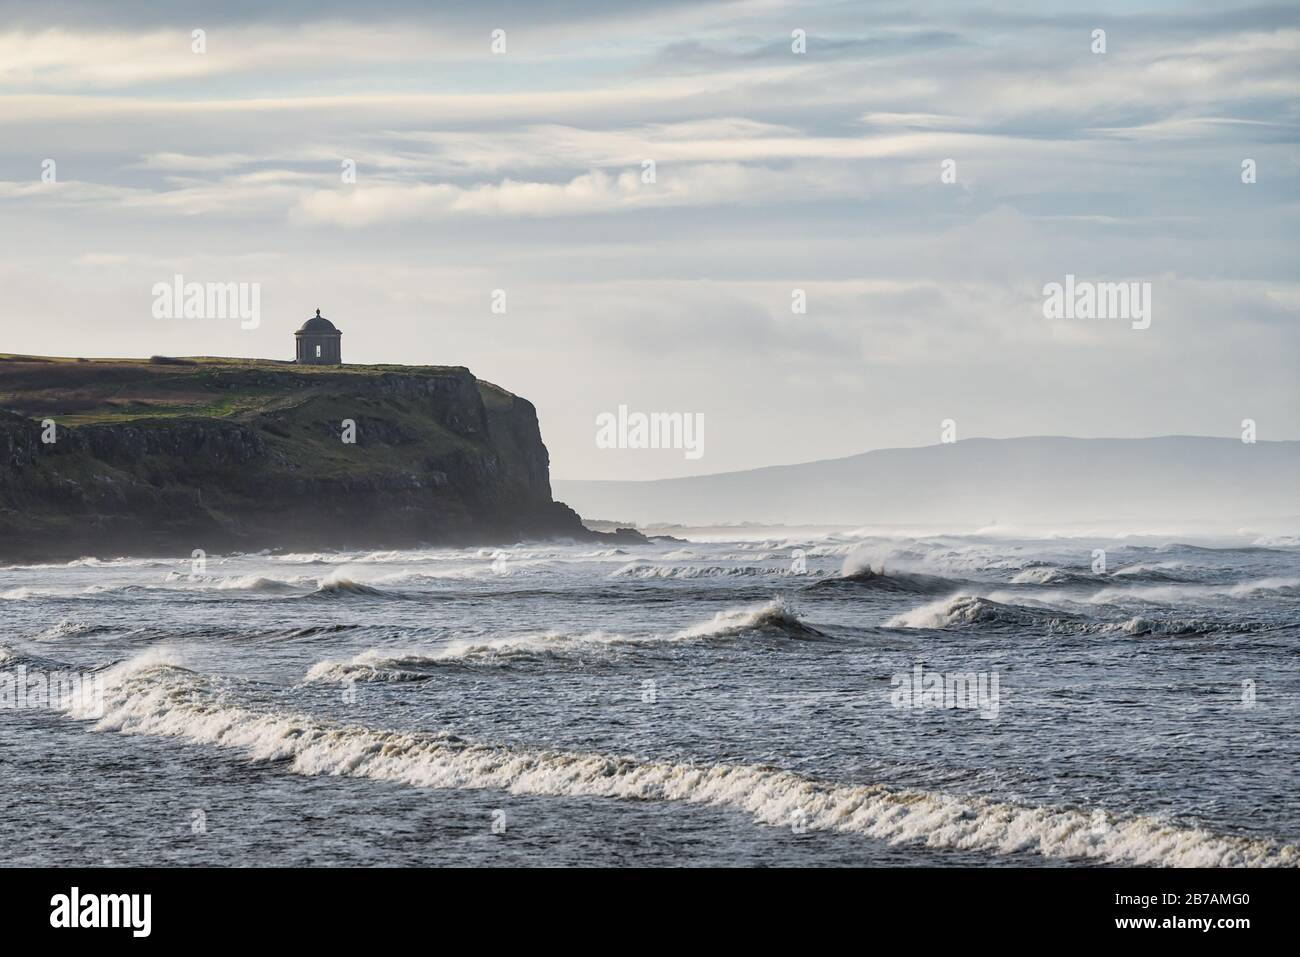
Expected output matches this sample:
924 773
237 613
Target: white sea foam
148 697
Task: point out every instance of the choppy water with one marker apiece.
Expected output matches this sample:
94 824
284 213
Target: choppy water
695 702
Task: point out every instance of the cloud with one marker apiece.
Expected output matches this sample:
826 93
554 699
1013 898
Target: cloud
61 59
205 164
590 193
137 14
774 171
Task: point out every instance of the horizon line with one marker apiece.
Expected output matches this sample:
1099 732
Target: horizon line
913 448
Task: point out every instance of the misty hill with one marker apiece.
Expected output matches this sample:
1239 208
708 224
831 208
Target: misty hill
1037 480
172 455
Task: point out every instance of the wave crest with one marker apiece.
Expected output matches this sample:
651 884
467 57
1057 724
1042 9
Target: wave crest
963 610
645 570
1050 575
162 700
877 578
384 666
777 616
339 587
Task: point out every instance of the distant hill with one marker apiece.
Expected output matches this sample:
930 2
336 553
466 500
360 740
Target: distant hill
1037 480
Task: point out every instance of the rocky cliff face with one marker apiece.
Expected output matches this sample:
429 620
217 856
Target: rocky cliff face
258 459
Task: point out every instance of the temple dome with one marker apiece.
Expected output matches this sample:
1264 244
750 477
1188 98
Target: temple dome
317 325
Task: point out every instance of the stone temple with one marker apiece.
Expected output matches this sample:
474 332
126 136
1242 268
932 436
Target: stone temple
318 342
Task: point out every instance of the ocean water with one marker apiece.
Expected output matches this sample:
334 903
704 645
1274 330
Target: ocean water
694 702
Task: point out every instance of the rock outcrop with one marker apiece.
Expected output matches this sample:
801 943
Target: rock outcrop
253 455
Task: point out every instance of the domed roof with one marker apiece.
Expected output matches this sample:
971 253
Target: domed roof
318 325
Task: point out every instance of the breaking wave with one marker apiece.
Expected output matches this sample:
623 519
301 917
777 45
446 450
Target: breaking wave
1051 575
255 583
1139 626
647 570
69 628
965 610
383 666
775 617
337 586
373 666
879 579
162 700
1153 572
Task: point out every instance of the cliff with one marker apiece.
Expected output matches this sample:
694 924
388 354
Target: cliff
222 454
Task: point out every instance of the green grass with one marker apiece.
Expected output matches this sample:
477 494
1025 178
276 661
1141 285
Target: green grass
110 391
298 410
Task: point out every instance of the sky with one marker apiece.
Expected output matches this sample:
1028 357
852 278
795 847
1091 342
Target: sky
774 171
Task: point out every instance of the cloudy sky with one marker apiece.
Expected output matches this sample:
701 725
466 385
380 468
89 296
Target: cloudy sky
774 171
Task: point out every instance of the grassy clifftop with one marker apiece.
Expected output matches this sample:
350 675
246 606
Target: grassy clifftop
218 453
99 391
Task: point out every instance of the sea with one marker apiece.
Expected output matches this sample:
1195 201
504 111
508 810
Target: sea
722 697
